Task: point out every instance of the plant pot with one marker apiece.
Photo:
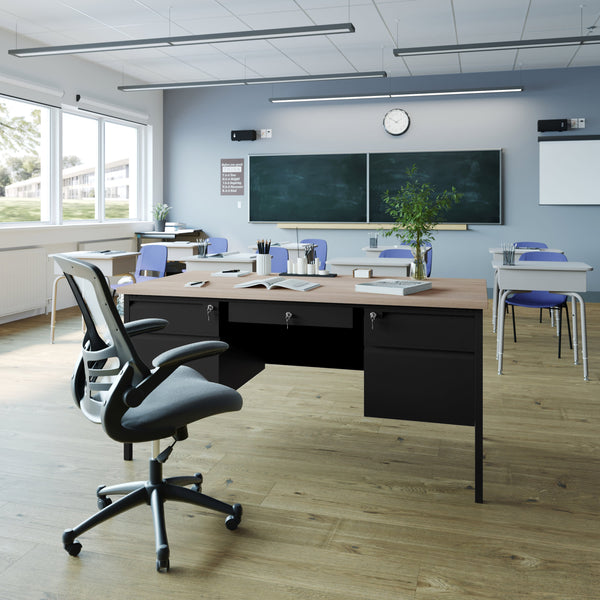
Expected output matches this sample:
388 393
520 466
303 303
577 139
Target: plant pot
159 225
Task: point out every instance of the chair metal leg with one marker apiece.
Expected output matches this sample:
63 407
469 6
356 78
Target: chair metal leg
514 325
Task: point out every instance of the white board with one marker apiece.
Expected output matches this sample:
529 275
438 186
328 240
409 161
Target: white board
569 171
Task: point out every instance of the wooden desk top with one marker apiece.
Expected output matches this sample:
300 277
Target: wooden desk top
446 293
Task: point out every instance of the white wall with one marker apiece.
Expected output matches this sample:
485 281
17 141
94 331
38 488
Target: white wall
72 75
197 135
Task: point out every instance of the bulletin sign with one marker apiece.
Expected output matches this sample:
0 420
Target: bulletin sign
232 177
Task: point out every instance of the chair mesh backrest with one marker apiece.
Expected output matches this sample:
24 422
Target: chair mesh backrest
106 346
544 256
320 250
396 253
530 245
152 259
279 258
217 244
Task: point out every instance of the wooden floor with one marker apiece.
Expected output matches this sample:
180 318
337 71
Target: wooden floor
337 506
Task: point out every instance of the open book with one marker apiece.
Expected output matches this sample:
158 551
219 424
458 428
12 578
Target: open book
280 282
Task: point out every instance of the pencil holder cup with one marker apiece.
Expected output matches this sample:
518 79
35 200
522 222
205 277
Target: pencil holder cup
301 266
263 264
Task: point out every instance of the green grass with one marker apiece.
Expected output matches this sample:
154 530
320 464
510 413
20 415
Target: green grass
16 210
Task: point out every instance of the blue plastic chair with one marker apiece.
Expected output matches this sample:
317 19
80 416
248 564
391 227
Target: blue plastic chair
152 258
530 245
217 245
396 253
279 259
404 253
541 299
320 250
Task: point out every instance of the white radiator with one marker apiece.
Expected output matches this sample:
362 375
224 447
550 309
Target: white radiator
23 276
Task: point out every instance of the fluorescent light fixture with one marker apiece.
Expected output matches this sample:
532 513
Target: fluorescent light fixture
490 46
456 92
395 95
217 38
30 85
226 82
112 110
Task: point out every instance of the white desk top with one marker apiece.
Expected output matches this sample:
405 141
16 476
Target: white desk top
368 261
226 257
545 265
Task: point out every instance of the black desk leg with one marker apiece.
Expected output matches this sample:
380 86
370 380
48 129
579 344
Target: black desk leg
127 451
479 461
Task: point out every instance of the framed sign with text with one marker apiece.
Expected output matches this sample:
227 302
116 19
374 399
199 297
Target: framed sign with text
232 177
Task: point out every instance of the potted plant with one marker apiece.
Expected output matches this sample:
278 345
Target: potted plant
416 209
159 212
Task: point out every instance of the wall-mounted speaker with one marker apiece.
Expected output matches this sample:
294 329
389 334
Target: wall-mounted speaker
553 125
243 135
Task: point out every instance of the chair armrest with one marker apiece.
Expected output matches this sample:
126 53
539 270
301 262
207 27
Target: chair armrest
145 326
183 354
167 362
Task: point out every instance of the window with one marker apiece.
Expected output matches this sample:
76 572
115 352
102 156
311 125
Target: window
24 161
120 171
99 174
79 168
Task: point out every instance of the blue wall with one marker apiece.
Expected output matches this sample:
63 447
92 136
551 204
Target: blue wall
197 126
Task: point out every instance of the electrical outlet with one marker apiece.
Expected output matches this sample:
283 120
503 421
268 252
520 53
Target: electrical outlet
580 123
573 124
266 133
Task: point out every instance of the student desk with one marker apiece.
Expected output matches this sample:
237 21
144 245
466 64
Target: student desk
421 354
497 258
243 261
567 278
177 250
382 267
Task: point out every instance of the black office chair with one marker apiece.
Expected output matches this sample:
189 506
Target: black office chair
136 403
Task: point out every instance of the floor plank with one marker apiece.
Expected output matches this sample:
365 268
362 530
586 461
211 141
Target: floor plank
336 506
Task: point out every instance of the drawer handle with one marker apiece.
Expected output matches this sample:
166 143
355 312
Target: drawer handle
209 310
288 318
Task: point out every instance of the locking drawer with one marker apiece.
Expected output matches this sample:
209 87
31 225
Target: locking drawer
300 313
186 317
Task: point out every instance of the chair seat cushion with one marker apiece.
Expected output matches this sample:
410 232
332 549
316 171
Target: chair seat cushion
537 299
184 397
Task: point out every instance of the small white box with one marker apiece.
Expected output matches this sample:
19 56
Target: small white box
362 273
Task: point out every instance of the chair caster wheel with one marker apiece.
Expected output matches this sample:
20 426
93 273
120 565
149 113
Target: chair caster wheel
102 501
232 521
197 487
162 559
162 565
71 545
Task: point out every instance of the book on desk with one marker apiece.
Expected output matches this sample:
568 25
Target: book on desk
399 287
281 282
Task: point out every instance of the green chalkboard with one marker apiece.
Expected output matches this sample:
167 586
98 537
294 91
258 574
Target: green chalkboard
332 188
309 187
476 174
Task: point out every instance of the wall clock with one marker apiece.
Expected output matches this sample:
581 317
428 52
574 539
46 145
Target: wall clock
396 121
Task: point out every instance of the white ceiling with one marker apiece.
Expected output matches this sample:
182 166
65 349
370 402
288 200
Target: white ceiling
381 25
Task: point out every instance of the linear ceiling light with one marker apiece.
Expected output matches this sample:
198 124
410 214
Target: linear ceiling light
217 38
226 82
395 95
489 46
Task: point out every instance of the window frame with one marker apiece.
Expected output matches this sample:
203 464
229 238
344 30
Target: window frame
54 153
